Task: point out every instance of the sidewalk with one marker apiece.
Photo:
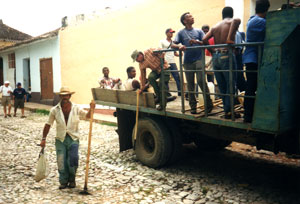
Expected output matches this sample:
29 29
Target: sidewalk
100 116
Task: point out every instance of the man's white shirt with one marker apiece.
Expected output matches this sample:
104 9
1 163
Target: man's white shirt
4 90
169 56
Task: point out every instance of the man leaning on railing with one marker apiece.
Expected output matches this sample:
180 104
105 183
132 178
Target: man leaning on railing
224 33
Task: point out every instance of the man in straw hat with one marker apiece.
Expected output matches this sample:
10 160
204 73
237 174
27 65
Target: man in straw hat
66 114
6 91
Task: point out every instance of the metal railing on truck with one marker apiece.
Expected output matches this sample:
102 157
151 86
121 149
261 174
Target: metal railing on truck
204 92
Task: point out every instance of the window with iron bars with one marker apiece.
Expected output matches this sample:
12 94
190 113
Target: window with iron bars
11 60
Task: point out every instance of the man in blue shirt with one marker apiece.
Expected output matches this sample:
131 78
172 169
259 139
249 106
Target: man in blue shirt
190 37
256 29
19 99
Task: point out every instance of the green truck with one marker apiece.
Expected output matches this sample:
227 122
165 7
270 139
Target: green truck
275 125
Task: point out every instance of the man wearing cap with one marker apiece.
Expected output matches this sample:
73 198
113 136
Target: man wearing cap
6 91
151 60
19 99
169 56
190 37
66 114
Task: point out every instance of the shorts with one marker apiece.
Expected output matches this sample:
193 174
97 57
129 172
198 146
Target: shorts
5 100
19 103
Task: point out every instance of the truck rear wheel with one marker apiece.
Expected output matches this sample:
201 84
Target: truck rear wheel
210 144
153 143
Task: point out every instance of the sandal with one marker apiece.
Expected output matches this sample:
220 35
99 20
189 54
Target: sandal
23 116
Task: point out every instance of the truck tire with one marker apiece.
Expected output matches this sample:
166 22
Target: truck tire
210 144
153 145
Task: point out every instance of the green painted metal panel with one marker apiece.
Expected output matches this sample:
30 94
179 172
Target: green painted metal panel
277 93
280 24
267 96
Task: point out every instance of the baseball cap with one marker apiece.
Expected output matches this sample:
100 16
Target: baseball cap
6 82
170 30
19 84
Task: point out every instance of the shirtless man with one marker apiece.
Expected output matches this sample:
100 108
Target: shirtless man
224 33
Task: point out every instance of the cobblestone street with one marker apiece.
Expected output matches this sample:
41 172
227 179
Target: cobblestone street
238 175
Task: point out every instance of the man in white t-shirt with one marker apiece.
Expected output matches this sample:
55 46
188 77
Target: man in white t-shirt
6 91
131 84
169 57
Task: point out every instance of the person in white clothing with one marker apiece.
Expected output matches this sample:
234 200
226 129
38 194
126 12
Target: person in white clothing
6 91
169 57
131 84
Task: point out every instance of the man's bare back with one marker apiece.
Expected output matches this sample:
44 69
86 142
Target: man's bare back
223 32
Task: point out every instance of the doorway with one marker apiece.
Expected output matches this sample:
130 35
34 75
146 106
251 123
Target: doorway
46 78
26 74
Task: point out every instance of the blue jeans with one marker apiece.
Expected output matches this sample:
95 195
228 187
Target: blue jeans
67 159
173 67
221 62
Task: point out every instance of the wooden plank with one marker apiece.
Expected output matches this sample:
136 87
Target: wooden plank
105 95
123 97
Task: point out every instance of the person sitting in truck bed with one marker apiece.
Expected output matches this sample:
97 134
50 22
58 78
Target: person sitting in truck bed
148 59
131 84
109 83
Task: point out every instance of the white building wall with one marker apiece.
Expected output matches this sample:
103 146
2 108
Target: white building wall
8 74
238 10
34 52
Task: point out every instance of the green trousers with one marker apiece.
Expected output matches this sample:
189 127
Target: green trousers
190 78
67 159
152 77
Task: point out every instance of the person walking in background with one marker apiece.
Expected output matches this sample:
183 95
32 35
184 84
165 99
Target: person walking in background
169 57
256 30
6 91
19 97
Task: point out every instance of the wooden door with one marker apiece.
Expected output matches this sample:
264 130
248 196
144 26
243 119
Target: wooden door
46 78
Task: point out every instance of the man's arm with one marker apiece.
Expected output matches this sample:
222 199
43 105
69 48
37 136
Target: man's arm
206 39
232 30
47 127
143 78
45 133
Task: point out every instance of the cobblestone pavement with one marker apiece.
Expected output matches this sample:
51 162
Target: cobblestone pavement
238 175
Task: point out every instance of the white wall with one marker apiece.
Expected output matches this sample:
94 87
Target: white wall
238 10
8 74
35 51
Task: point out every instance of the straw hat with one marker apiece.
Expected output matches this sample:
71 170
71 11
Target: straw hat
65 91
